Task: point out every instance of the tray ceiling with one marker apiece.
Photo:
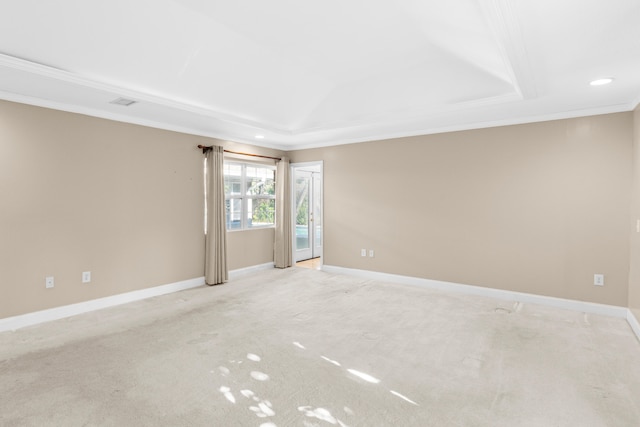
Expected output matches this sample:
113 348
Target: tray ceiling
305 74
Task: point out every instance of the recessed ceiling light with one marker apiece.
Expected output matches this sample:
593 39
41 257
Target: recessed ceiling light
259 136
602 81
123 101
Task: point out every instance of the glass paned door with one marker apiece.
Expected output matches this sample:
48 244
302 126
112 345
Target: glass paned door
303 216
308 214
317 214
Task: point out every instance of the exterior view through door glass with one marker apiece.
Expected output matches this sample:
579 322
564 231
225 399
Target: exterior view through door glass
308 212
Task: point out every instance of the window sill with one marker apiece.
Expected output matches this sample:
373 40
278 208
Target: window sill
236 230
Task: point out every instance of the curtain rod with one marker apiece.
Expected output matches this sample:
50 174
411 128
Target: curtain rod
205 149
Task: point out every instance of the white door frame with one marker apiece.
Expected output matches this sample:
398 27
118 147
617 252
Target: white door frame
302 165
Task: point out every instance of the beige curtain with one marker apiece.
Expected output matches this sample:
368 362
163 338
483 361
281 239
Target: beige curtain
215 264
282 256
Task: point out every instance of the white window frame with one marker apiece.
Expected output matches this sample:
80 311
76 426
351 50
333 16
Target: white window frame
244 197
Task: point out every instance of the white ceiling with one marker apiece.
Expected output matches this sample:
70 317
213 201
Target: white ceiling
328 72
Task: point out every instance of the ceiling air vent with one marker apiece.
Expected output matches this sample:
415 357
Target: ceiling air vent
123 101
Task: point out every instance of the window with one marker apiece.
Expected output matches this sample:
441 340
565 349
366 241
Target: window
250 195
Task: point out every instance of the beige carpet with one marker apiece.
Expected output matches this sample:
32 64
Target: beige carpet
306 348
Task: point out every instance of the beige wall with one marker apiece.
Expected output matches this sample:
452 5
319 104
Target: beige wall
247 248
634 273
125 202
536 208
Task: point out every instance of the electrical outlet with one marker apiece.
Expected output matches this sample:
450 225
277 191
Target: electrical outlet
598 279
370 253
48 282
86 276
363 252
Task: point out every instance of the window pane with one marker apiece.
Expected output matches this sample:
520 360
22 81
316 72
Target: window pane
232 179
317 212
234 214
302 237
260 181
302 201
302 213
261 212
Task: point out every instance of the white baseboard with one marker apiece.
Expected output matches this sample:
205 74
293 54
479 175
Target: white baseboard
567 304
234 274
634 323
29 319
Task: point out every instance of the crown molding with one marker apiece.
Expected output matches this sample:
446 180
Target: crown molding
101 114
635 103
371 128
380 134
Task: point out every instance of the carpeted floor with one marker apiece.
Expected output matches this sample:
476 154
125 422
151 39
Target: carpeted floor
299 347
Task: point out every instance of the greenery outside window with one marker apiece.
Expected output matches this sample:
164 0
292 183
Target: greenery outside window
250 195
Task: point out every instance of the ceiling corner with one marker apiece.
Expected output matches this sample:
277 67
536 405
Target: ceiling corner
505 24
